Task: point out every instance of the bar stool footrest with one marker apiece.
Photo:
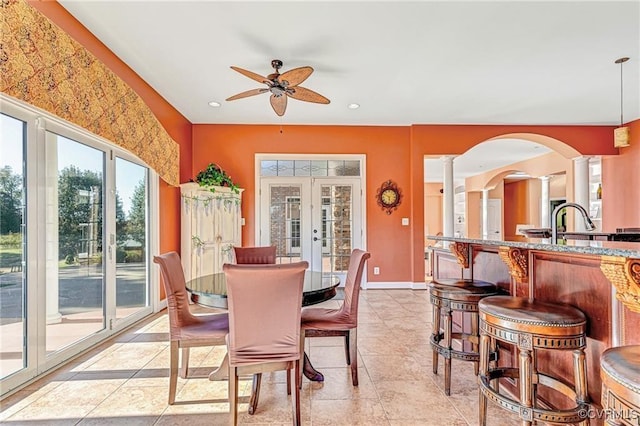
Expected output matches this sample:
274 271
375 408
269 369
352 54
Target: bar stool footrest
452 353
576 414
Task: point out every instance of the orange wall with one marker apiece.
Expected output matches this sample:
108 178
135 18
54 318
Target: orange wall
233 147
516 207
621 185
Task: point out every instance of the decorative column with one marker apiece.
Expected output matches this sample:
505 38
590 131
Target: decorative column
545 214
447 199
580 189
485 214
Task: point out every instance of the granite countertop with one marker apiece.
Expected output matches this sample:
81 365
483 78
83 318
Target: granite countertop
602 248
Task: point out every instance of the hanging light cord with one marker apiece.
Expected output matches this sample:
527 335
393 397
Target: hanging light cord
621 61
621 94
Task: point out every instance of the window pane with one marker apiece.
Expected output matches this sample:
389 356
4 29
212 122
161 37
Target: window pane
131 238
337 225
74 272
284 203
12 246
303 168
268 168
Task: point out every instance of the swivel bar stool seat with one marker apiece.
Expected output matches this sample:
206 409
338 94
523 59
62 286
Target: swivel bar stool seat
620 373
531 325
448 296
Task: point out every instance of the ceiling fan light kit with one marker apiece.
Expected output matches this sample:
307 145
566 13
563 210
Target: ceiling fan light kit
281 86
621 134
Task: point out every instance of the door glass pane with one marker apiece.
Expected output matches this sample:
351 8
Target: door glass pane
12 246
285 223
336 225
131 238
74 267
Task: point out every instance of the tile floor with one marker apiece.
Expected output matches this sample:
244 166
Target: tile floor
125 380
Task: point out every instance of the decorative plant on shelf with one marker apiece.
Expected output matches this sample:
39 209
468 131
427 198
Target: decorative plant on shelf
214 176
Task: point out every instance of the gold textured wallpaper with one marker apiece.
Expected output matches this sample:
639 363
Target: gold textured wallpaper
42 65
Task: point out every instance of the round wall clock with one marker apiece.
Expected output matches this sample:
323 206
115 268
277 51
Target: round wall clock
389 196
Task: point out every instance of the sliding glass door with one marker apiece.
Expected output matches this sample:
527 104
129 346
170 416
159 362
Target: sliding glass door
75 239
75 273
13 329
132 283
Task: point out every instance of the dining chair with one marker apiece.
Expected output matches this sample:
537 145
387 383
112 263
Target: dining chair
325 322
258 255
185 329
264 324
255 255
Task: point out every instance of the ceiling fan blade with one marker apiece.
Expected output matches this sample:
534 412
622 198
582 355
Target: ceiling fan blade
251 75
279 104
248 93
302 94
296 75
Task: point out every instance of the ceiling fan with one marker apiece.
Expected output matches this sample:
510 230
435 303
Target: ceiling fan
281 86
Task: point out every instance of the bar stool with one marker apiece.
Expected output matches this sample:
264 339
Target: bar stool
448 296
620 373
531 325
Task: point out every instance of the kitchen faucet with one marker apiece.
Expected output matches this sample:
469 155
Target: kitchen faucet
554 219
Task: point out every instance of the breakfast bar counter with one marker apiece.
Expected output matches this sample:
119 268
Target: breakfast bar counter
601 278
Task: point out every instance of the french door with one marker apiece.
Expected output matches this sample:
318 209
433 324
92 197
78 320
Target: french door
317 219
74 242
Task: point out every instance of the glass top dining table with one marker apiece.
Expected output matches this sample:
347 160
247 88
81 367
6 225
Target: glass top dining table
211 290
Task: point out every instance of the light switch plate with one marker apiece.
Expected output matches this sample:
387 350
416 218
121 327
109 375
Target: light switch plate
405 221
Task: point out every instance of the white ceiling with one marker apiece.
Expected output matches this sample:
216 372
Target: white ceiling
420 62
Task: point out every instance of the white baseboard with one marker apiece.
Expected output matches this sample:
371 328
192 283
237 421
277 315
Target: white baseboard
389 285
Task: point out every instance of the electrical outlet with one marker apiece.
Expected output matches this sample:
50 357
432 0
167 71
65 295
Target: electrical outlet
405 221
376 270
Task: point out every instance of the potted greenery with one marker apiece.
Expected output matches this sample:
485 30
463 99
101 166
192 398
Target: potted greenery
213 176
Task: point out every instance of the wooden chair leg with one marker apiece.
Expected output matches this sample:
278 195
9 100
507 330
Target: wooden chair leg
580 379
255 393
448 327
484 350
526 397
435 332
474 331
185 363
302 354
295 402
347 348
233 396
353 349
173 371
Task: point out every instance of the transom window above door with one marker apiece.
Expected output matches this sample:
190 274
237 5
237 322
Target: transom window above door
316 168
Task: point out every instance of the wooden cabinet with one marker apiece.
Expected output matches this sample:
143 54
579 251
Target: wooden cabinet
211 226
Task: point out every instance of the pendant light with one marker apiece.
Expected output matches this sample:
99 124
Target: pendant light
621 134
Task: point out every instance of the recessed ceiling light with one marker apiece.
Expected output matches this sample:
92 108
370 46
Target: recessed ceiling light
214 104
353 106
